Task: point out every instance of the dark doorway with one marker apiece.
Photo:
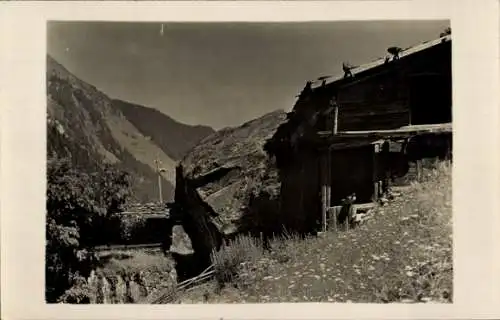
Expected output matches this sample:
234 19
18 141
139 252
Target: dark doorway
430 99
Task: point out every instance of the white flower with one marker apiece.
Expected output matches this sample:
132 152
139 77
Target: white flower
410 273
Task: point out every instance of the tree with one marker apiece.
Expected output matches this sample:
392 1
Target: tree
79 209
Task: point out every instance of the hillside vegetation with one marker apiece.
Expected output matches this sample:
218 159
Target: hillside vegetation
91 129
174 138
402 254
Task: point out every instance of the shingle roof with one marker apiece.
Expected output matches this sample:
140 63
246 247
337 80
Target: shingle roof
370 65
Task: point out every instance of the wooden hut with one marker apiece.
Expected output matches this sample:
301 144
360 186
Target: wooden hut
352 134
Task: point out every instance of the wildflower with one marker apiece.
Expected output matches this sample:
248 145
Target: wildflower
410 273
375 257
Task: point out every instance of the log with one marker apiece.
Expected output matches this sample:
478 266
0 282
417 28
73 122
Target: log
333 213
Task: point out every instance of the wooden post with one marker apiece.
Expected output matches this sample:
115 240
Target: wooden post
158 171
419 169
376 149
335 215
323 208
346 222
335 118
375 191
324 205
332 217
329 179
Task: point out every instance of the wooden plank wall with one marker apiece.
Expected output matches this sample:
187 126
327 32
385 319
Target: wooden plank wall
381 98
374 102
301 193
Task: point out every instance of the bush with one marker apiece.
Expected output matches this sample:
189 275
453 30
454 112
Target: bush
228 260
130 224
78 205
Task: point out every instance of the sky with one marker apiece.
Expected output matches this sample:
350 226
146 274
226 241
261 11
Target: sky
221 74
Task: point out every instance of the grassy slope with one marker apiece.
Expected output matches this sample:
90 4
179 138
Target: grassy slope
174 138
402 254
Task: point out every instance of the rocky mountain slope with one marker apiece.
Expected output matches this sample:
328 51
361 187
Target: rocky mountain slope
227 184
91 128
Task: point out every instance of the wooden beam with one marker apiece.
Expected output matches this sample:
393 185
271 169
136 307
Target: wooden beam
324 190
335 119
375 150
329 179
402 132
324 208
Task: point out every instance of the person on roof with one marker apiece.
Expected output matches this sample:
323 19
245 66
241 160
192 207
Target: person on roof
306 91
395 51
347 69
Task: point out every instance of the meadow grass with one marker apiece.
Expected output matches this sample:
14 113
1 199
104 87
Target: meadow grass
402 254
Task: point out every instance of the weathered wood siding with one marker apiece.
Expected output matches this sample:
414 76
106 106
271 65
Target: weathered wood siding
300 193
413 90
379 101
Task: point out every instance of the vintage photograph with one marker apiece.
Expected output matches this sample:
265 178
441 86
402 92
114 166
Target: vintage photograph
249 162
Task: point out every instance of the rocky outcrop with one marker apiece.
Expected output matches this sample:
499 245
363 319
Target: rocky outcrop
119 282
228 184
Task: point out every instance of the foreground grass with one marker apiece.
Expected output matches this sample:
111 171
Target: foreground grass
402 254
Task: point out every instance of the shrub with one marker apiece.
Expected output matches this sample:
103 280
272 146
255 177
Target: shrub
228 260
78 208
79 293
130 224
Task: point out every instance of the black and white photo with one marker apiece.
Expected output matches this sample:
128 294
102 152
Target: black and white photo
249 162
